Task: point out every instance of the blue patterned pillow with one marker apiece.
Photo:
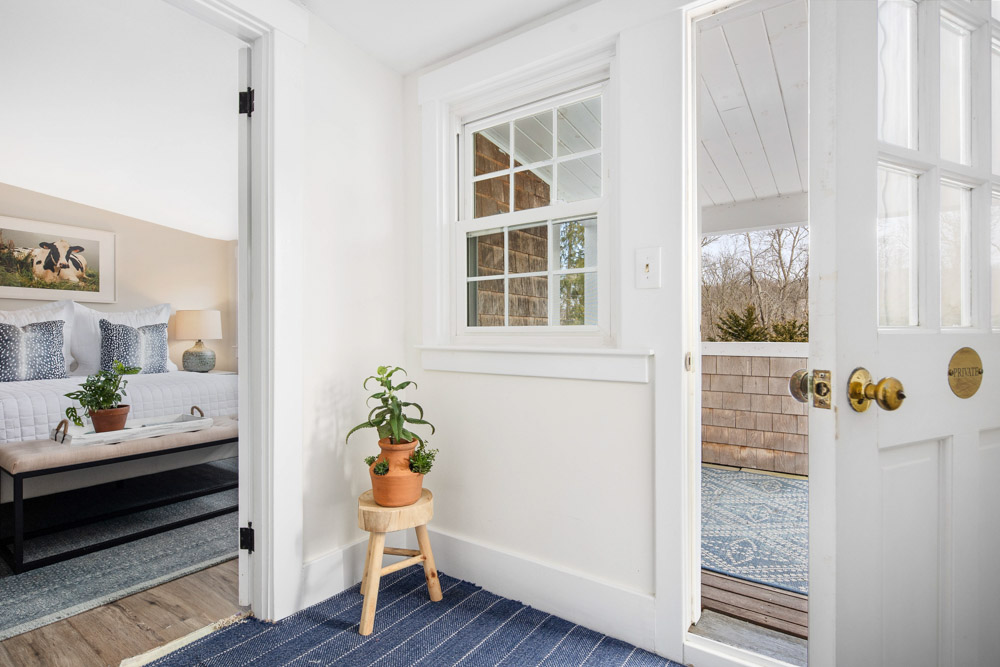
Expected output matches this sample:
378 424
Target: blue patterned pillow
145 347
32 352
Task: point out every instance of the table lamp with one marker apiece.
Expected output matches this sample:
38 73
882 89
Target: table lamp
198 325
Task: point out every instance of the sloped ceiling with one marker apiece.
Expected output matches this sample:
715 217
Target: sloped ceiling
753 89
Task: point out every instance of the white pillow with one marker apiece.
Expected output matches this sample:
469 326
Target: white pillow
60 310
87 332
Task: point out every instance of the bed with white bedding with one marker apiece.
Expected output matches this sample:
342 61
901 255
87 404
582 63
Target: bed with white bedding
30 410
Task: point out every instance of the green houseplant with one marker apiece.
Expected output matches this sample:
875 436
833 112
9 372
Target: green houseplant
100 395
397 472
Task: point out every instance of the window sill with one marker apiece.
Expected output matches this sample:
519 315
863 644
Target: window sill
608 365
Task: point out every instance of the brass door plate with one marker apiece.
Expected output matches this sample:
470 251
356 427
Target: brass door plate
860 378
965 373
822 390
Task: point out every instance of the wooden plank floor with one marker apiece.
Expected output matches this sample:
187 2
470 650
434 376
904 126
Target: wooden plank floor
763 605
133 625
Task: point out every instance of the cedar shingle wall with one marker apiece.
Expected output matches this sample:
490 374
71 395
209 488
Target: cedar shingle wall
748 418
528 246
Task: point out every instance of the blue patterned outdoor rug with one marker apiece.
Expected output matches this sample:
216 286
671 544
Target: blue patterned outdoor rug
756 527
470 626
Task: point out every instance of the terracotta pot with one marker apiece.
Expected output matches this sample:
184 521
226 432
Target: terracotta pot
112 419
400 486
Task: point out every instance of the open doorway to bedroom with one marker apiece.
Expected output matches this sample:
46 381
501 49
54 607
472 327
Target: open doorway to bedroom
752 86
133 245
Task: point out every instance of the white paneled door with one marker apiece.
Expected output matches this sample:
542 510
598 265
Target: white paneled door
905 503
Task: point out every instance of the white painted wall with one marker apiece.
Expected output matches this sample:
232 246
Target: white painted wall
566 484
124 105
353 272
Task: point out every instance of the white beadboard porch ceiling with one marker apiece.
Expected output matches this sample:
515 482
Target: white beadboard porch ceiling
753 78
408 35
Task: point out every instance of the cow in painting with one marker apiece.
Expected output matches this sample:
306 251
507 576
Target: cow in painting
55 261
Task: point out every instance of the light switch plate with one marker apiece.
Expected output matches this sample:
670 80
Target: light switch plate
647 268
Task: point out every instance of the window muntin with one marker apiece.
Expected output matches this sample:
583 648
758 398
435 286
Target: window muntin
539 159
897 247
548 275
897 72
533 196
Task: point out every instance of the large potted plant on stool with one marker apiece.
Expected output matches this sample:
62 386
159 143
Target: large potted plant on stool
100 396
397 473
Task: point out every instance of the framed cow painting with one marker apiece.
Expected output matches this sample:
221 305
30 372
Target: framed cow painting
43 260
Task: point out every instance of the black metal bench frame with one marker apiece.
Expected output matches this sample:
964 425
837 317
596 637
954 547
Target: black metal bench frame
15 557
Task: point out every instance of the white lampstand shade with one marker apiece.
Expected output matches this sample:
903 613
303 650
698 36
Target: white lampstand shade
198 325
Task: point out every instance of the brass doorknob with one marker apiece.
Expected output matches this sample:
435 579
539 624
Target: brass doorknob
887 393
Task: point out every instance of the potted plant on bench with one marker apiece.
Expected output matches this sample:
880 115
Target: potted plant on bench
397 473
100 395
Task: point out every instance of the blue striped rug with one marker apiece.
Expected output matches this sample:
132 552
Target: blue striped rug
470 626
756 527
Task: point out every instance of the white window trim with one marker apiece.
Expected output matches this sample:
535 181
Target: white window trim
590 350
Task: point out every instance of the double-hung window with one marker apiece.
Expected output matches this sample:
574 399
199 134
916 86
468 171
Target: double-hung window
532 217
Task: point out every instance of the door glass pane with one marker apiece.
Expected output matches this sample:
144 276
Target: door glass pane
485 303
956 92
577 241
532 188
579 179
896 233
996 106
578 299
484 255
897 72
956 295
995 258
492 196
492 148
533 138
529 301
579 126
529 249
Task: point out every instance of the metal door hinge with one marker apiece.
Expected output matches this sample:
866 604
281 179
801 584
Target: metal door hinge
246 102
246 537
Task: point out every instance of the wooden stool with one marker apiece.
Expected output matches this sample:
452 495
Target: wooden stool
378 521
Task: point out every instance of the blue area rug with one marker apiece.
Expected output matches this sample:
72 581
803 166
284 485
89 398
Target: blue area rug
470 626
756 527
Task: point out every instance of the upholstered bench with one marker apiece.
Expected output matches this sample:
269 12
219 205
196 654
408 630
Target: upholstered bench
22 460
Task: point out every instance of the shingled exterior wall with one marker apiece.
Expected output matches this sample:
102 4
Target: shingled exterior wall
529 302
748 418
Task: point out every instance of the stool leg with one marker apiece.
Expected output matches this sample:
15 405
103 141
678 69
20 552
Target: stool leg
430 572
373 567
368 555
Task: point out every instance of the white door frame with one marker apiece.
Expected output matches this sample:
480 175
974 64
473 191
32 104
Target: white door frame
701 650
270 364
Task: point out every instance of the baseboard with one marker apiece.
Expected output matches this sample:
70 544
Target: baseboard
598 605
338 570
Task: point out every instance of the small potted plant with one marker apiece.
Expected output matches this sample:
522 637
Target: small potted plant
397 473
100 395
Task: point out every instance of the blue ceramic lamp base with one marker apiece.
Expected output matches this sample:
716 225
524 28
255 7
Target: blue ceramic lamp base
199 359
